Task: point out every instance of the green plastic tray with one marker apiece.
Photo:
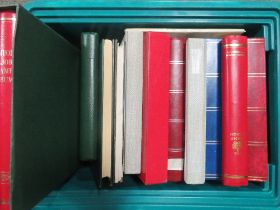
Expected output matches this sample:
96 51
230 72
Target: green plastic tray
109 18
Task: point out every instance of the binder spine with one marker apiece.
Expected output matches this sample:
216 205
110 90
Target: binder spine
7 25
234 111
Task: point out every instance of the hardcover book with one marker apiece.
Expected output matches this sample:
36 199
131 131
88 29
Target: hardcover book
257 113
90 96
118 134
107 109
115 153
133 86
234 111
176 122
133 91
195 128
39 110
155 108
7 25
213 110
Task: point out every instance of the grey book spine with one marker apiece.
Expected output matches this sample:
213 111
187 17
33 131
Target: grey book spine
195 127
133 101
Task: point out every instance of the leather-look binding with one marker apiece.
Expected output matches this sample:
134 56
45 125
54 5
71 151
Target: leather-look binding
7 27
234 111
177 109
257 113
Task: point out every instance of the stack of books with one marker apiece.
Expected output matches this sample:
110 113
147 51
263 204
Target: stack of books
175 105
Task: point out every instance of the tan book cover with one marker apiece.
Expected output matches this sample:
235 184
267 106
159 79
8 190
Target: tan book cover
106 143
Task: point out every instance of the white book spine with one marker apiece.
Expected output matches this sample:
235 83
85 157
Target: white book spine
133 101
119 115
195 127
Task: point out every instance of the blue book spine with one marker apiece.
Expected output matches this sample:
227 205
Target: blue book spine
213 110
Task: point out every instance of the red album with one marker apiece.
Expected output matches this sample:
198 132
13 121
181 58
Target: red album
7 27
234 111
155 108
257 113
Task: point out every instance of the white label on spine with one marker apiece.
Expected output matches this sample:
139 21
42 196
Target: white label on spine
175 164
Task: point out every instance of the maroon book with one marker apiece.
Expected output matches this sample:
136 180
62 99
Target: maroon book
176 110
257 114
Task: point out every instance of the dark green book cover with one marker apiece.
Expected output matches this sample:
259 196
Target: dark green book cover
45 111
90 96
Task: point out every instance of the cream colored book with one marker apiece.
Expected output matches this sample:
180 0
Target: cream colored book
106 144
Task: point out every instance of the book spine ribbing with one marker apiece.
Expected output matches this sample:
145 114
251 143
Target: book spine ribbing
89 108
213 110
195 128
7 27
257 111
176 110
234 111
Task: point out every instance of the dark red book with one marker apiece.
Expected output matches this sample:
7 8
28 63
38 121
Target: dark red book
7 26
176 110
234 111
155 108
257 115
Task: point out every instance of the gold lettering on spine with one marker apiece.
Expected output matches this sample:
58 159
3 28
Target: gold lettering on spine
231 176
4 79
5 70
6 52
234 45
236 144
235 54
4 178
8 19
6 63
3 202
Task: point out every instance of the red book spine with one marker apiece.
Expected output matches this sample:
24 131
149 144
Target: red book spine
234 111
257 115
7 23
155 108
176 110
